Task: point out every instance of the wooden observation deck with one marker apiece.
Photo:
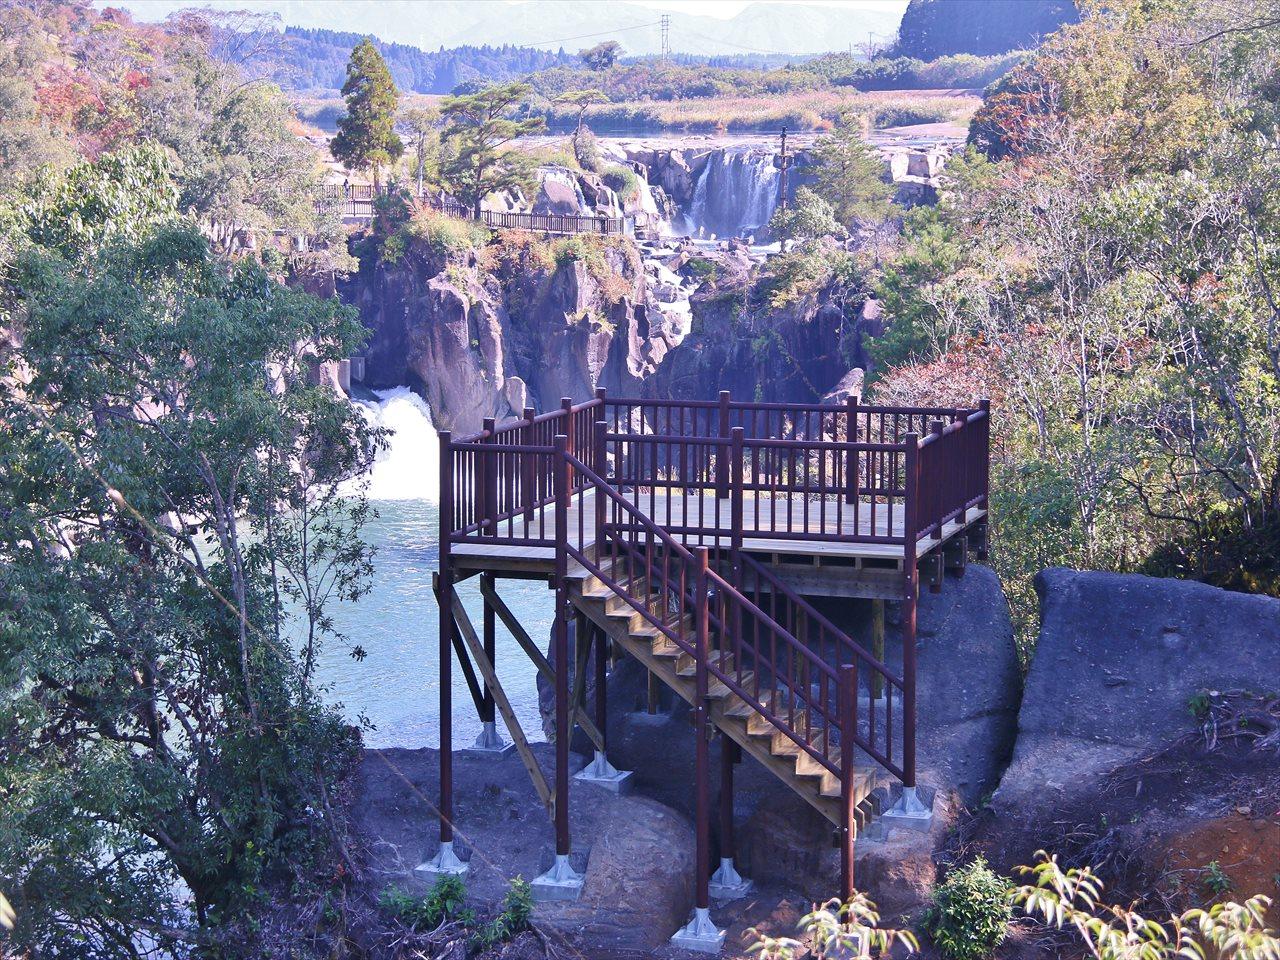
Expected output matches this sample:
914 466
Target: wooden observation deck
691 535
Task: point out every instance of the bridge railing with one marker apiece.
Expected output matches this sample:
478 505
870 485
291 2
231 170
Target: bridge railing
357 202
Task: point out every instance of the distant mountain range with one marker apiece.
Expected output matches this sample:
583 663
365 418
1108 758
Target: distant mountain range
763 27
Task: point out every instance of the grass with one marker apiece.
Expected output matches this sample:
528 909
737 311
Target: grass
810 110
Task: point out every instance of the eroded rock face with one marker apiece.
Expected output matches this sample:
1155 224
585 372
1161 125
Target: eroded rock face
437 328
1118 660
484 343
795 352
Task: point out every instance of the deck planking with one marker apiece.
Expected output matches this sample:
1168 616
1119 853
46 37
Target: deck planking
762 519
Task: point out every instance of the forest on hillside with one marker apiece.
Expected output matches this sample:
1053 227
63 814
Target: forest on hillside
939 28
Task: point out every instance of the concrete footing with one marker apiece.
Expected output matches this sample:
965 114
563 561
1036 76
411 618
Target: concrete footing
491 742
727 883
699 934
561 882
444 864
602 773
909 812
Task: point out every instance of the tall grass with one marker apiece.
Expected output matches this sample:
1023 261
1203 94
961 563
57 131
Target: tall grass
812 110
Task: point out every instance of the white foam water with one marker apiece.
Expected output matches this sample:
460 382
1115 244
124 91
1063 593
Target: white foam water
408 468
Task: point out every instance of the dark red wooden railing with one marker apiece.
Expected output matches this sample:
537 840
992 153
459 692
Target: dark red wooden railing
672 478
356 201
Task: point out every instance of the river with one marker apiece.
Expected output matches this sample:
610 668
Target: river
396 687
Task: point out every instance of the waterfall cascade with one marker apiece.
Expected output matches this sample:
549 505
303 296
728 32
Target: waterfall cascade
736 192
408 468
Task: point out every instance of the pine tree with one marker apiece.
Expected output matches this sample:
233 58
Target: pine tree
366 137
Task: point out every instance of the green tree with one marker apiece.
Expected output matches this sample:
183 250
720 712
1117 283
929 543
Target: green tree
423 128
160 731
580 101
806 218
478 128
849 174
366 137
602 56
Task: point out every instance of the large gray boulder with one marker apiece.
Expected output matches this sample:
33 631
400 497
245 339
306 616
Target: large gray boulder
1119 658
968 682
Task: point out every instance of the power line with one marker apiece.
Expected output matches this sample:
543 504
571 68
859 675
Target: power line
588 36
741 46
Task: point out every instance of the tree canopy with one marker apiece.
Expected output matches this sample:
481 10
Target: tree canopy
477 128
366 137
602 56
171 479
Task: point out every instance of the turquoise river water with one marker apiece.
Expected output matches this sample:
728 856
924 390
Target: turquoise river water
396 687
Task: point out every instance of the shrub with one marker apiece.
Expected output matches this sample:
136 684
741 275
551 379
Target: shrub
569 249
702 269
514 917
622 181
586 150
445 234
444 901
970 912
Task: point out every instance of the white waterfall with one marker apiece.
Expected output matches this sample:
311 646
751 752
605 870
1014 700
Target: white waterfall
736 192
408 468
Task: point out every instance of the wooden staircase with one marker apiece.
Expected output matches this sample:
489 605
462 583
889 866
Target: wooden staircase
735 717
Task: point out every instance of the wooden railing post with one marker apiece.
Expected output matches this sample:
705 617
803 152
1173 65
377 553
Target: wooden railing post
488 470
566 405
937 478
445 598
530 466
702 656
560 474
602 395
984 474
847 697
851 437
736 481
722 451
601 498
910 589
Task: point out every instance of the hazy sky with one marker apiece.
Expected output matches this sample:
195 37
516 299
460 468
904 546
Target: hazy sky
697 26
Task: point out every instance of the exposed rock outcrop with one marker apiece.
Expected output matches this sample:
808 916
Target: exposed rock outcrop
483 339
794 351
1119 659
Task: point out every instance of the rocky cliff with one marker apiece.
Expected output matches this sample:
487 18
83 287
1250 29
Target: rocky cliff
485 330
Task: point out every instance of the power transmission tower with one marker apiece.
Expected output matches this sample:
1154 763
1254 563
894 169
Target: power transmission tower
782 162
666 36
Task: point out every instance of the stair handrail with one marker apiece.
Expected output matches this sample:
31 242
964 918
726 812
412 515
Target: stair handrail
860 657
857 649
642 522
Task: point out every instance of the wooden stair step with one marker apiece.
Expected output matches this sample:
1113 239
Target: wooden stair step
647 631
687 666
661 646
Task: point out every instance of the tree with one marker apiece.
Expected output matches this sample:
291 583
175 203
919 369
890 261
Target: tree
579 101
366 137
807 218
423 128
602 56
478 127
850 175
160 734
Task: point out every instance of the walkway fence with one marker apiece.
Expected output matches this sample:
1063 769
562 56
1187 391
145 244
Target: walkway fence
357 203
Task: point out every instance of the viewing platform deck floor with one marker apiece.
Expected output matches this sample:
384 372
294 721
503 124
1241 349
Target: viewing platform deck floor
762 519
